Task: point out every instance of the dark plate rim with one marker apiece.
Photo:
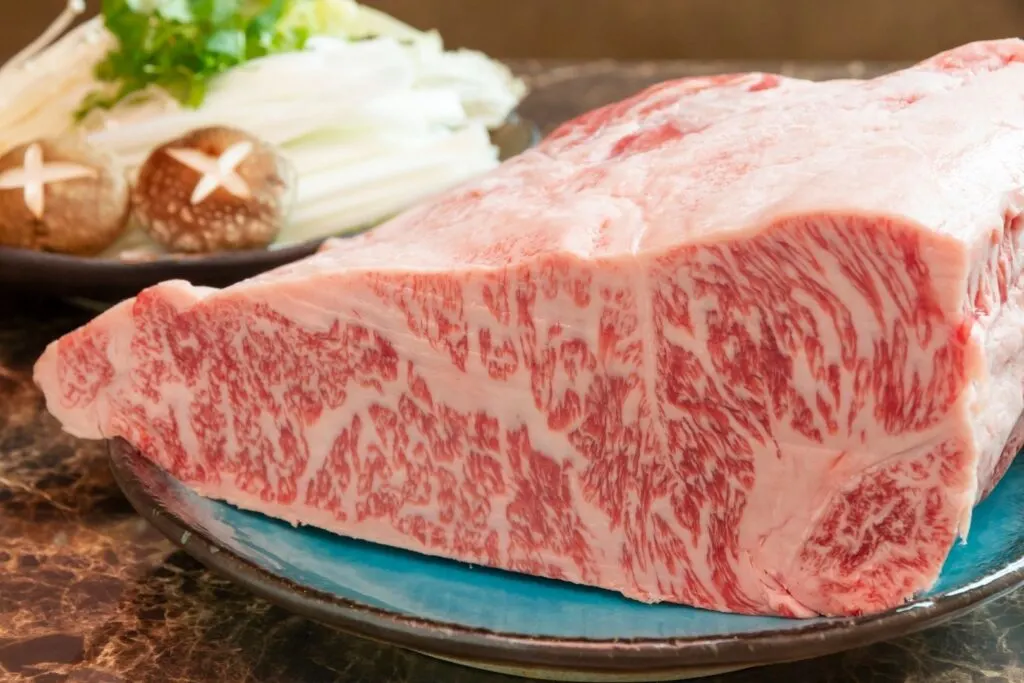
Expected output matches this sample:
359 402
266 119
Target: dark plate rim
86 264
592 655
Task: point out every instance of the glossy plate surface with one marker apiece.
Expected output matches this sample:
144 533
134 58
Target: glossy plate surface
503 620
111 280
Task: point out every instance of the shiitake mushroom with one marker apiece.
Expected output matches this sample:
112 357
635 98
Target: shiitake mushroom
61 195
214 189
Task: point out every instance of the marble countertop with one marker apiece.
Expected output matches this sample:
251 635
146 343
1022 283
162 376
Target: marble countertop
89 593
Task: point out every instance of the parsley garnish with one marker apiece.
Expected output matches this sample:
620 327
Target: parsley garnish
179 45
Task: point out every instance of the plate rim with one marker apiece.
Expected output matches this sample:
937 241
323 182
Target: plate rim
593 655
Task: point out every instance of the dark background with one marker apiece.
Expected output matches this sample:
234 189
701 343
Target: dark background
883 30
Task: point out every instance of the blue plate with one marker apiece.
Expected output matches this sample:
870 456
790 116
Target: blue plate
548 629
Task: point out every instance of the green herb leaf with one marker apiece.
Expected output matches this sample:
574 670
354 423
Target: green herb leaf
216 11
175 10
227 43
180 45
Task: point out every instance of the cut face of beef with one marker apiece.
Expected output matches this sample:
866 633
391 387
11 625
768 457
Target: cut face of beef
744 342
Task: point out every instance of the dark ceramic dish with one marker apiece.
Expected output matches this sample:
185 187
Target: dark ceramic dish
110 280
533 627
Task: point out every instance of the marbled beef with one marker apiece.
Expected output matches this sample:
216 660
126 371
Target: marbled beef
745 342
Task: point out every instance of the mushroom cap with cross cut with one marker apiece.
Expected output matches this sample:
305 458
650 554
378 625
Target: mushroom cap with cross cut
214 189
62 195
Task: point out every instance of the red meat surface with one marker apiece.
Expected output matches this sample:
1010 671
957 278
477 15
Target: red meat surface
745 342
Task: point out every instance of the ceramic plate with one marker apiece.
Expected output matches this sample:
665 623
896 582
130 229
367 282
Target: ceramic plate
111 280
546 629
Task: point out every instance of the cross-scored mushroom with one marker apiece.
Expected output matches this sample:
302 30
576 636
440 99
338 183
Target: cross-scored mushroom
215 189
61 195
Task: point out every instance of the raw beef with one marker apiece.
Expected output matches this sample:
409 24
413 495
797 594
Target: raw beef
744 342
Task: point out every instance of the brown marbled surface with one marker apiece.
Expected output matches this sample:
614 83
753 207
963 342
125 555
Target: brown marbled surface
89 593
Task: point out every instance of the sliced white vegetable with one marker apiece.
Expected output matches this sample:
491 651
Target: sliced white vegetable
342 179
354 210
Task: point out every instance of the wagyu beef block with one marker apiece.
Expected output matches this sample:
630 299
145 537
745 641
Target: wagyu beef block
745 342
